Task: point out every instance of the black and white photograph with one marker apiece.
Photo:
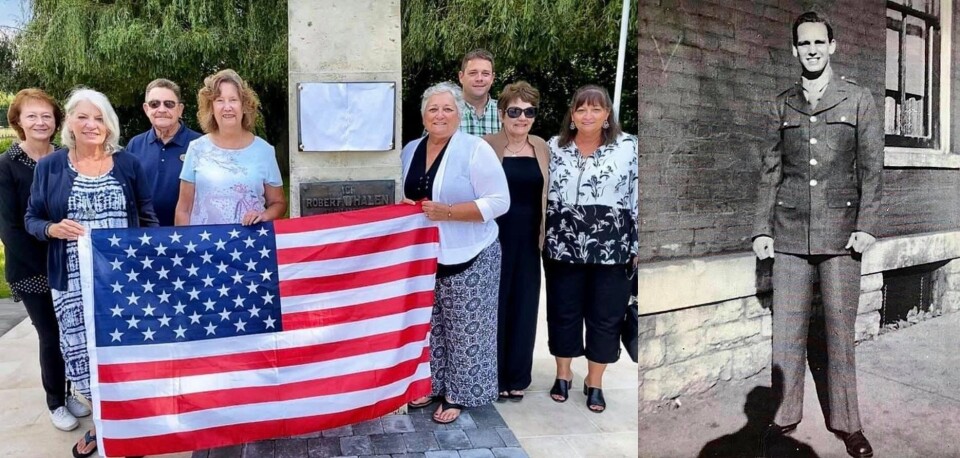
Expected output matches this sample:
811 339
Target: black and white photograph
799 228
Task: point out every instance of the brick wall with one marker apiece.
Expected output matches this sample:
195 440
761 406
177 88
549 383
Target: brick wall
706 70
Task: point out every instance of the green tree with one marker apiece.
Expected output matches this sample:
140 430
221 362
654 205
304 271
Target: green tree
117 47
555 45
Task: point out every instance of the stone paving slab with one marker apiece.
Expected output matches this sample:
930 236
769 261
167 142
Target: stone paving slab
480 432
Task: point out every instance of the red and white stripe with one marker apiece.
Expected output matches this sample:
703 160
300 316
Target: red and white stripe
356 298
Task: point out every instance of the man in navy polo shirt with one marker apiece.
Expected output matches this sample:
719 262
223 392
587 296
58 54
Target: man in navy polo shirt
162 148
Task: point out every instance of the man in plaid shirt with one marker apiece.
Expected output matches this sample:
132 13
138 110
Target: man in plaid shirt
476 78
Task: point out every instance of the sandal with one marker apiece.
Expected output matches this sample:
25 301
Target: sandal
445 406
513 395
594 399
414 405
560 388
87 440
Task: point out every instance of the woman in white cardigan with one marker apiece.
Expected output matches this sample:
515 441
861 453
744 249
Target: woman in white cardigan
461 185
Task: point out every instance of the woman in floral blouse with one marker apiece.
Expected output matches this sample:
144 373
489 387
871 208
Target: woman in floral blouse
591 240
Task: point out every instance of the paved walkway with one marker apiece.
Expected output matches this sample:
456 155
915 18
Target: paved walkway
909 390
535 427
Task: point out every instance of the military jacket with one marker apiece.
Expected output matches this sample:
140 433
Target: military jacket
822 170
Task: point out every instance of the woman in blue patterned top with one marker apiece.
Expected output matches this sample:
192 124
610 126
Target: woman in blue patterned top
230 175
591 240
89 184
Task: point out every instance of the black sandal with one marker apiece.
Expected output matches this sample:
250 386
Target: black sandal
444 406
413 405
560 388
87 439
594 398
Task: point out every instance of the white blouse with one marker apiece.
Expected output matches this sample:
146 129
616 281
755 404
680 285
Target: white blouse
469 171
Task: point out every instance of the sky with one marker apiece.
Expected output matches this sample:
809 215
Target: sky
13 12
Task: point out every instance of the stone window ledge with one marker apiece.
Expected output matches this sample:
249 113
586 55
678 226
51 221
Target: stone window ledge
920 158
674 285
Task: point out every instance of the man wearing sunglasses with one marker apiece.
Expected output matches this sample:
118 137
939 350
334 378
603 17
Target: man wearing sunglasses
162 148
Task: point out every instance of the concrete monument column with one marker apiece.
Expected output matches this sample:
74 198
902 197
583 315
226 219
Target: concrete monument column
342 41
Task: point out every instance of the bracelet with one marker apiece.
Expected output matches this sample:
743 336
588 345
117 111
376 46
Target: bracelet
449 211
46 230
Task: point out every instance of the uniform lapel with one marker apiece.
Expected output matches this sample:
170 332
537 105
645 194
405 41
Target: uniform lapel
796 100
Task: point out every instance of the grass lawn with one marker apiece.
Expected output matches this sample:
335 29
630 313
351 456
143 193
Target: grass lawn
4 287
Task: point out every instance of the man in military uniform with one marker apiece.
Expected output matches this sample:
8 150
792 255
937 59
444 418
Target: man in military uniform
819 199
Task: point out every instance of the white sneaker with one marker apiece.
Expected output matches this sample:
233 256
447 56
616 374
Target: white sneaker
63 420
76 407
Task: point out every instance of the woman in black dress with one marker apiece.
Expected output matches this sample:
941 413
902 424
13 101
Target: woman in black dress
524 159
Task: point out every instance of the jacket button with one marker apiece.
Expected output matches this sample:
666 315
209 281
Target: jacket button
813 119
786 123
813 182
780 203
849 204
813 141
813 162
843 119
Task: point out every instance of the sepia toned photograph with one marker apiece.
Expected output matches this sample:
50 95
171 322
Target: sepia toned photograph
799 228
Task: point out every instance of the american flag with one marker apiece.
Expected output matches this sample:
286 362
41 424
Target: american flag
207 336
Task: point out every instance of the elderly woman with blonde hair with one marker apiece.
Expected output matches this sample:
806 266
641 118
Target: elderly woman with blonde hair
230 175
461 185
88 184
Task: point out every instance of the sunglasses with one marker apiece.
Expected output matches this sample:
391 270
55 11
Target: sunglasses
170 104
529 112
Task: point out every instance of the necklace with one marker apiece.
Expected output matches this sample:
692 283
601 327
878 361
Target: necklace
515 153
87 210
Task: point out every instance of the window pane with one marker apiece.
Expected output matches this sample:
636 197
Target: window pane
915 82
892 99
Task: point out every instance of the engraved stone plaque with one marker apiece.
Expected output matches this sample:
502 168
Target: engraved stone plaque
340 196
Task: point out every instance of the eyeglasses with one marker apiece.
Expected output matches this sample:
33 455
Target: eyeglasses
529 112
170 104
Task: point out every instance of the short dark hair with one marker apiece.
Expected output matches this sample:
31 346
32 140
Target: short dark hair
521 90
478 53
32 95
811 16
590 94
164 83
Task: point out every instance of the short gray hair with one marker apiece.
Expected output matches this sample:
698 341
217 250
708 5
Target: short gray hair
162 83
110 120
440 88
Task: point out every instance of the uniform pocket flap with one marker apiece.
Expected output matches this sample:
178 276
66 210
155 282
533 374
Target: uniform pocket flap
789 123
837 116
843 198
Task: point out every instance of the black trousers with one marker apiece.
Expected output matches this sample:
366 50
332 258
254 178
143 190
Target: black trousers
590 295
52 371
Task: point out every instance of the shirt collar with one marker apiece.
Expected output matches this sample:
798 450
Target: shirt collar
177 138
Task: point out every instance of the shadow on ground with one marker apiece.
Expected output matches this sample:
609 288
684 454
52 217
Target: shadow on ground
760 407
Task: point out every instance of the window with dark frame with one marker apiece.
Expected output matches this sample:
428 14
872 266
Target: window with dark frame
911 102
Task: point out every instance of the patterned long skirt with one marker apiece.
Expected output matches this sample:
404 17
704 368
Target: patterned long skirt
463 336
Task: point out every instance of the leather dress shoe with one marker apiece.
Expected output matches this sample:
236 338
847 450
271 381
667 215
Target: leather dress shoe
770 435
857 445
